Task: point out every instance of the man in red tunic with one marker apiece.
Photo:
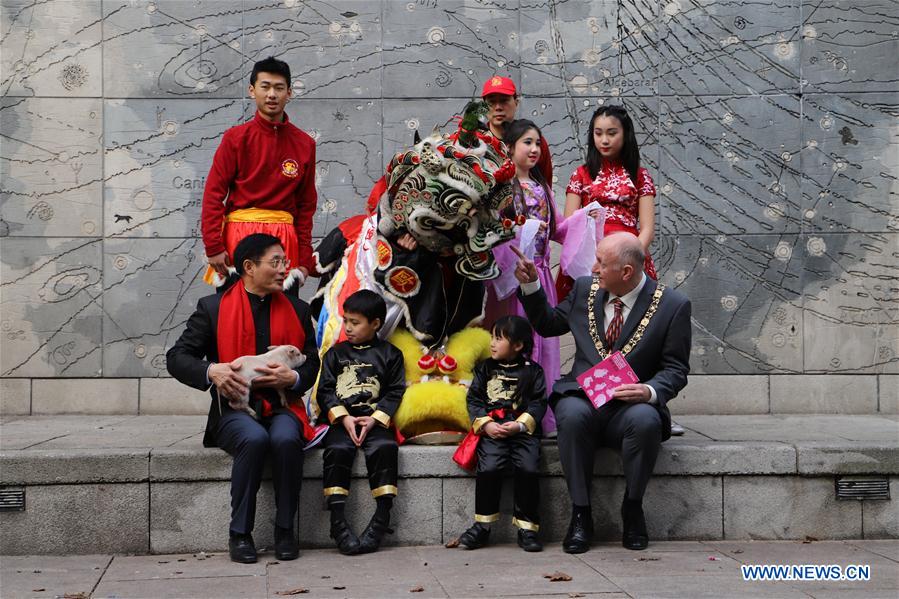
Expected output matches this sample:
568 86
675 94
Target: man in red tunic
262 180
502 98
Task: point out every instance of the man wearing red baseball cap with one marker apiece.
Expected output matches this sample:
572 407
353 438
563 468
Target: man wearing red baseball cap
502 98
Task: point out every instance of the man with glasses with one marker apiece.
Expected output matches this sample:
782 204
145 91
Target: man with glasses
252 315
262 180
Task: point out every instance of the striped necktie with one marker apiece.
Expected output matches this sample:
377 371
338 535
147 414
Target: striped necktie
615 325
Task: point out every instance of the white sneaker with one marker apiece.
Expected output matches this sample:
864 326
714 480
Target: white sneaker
676 429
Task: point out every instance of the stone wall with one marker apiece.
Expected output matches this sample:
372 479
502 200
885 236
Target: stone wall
770 129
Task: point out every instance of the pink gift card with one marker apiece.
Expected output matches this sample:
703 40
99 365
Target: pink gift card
599 382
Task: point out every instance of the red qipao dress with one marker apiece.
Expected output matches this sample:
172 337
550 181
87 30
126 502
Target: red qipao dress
619 195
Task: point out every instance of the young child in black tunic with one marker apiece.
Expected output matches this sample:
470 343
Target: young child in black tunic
362 382
506 401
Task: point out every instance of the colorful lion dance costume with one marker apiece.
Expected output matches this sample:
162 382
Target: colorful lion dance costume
447 193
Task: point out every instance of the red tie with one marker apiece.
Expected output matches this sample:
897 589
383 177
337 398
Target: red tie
615 325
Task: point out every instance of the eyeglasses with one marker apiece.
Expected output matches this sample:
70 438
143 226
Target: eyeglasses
275 262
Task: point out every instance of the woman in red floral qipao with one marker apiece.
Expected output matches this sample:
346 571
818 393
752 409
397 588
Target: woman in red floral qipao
613 177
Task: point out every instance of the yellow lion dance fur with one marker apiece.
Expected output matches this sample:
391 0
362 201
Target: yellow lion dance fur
437 403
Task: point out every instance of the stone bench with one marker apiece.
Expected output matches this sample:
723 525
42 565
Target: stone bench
138 484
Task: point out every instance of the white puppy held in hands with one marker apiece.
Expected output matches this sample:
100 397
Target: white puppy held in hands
288 355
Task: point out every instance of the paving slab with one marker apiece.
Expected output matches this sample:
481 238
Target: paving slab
50 576
238 587
658 563
391 572
888 548
713 586
667 569
31 431
463 573
181 565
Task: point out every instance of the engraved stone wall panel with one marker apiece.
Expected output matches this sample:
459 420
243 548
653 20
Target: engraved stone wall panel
850 46
51 305
777 212
51 167
851 312
402 118
349 161
747 301
581 49
51 48
151 287
159 48
730 165
447 48
730 46
158 154
333 48
850 157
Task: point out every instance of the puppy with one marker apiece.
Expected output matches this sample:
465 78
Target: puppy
288 355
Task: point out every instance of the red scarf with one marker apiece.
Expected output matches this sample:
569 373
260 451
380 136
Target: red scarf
236 334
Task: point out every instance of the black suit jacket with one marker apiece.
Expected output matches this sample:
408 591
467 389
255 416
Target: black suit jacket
189 359
662 357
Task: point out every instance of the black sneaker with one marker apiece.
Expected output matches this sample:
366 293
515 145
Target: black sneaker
527 540
475 537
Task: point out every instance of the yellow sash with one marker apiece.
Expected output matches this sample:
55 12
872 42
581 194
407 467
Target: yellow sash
259 215
251 215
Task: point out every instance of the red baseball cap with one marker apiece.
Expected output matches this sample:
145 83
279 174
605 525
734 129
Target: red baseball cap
499 85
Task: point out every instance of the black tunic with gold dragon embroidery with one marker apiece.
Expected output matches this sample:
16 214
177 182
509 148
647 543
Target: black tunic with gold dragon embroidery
518 387
362 380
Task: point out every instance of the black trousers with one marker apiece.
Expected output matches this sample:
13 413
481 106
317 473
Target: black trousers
249 442
381 452
522 453
634 429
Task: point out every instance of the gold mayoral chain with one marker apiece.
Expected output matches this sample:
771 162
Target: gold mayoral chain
641 328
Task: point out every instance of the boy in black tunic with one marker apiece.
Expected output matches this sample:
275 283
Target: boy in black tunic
362 382
506 401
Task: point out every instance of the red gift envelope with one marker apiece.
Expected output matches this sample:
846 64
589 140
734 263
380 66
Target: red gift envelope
599 382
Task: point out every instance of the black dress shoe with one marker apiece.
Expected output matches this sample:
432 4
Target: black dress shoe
475 537
580 532
527 540
371 538
635 536
241 549
286 547
347 541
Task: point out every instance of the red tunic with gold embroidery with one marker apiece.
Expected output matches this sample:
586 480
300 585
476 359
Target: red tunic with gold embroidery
266 165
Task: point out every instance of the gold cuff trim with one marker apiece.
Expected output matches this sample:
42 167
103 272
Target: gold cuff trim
486 519
479 423
381 418
525 525
337 412
328 491
384 490
527 420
